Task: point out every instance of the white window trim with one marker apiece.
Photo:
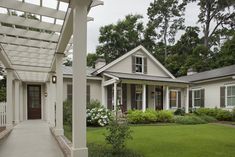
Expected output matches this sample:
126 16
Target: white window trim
226 96
196 89
177 97
139 56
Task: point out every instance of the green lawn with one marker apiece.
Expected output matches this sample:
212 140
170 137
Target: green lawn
207 140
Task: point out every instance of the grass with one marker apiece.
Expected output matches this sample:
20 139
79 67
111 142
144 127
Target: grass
207 140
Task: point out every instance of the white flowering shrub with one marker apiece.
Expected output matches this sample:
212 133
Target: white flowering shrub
98 116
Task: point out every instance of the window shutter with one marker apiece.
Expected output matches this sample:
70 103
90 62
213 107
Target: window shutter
147 97
109 97
202 97
179 99
124 97
145 65
222 97
170 98
190 99
69 92
133 64
133 102
88 94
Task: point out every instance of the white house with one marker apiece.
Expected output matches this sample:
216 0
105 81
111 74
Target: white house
135 80
214 88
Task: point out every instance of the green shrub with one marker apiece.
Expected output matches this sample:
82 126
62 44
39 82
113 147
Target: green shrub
98 150
135 117
224 115
208 119
117 136
233 114
179 112
93 104
67 113
164 116
188 120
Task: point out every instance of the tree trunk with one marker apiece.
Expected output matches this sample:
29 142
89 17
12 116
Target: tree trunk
207 27
165 38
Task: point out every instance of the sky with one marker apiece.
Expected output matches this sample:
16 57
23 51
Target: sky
114 10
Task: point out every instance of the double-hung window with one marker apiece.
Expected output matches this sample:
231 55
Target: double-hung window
139 96
231 96
139 64
173 99
197 99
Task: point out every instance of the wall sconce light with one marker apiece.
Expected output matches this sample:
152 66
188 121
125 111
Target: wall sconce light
54 79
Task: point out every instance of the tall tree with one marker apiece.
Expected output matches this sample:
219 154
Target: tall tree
166 16
117 39
177 61
91 58
220 12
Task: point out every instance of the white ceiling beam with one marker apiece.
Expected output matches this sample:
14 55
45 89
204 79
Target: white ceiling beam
4 58
27 42
16 20
22 49
32 8
29 34
31 68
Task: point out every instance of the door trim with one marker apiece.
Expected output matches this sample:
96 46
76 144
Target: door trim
27 103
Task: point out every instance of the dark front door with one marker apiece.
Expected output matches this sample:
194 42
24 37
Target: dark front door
34 101
159 98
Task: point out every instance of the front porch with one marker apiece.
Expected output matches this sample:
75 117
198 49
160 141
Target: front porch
134 93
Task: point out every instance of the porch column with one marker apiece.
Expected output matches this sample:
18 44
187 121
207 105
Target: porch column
103 94
115 96
167 98
52 103
144 98
59 95
21 102
79 147
17 101
187 100
9 108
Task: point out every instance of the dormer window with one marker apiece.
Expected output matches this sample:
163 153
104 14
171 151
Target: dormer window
139 64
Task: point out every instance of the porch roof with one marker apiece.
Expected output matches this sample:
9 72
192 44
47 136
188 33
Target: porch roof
144 77
32 32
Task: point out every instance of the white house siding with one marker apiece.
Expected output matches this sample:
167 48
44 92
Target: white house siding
125 66
95 88
212 91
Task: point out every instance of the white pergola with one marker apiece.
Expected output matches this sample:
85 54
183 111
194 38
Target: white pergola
32 50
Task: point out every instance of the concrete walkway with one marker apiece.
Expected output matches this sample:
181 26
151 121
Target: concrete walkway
30 139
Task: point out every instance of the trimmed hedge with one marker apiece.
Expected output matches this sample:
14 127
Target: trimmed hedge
219 114
150 116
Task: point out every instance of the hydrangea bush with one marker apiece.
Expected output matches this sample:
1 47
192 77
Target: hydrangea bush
98 116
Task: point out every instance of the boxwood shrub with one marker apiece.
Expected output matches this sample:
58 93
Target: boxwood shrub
189 120
219 114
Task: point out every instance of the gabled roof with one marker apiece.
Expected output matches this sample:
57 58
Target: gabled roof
212 74
130 53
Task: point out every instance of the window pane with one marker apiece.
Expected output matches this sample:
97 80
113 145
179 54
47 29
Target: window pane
229 101
173 103
197 102
173 95
233 90
229 91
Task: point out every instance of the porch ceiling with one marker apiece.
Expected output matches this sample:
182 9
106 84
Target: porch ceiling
28 45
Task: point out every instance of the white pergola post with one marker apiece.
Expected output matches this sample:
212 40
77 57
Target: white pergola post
103 93
59 95
115 96
21 102
167 100
144 98
80 10
187 100
17 101
48 102
9 108
52 104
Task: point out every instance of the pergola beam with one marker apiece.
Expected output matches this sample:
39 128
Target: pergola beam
27 42
31 69
33 9
28 34
21 21
4 58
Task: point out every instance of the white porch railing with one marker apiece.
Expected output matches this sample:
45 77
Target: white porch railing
2 114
